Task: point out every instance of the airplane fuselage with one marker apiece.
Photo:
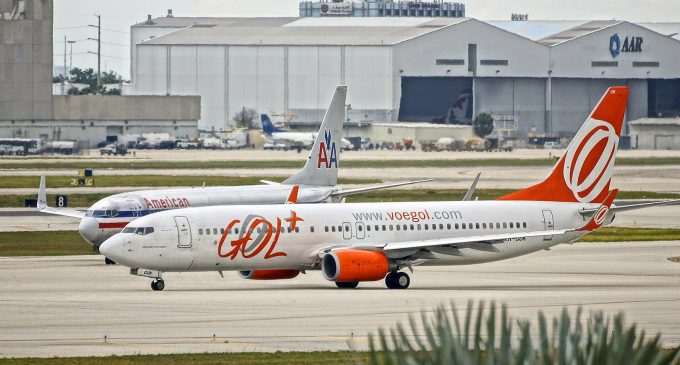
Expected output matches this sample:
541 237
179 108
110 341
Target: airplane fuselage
111 214
291 236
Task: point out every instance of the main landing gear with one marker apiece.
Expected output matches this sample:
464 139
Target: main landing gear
397 280
158 285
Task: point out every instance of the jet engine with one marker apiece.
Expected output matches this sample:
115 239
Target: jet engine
268 274
354 266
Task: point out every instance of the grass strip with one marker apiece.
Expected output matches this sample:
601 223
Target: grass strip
43 243
13 182
434 162
388 195
243 358
62 243
616 234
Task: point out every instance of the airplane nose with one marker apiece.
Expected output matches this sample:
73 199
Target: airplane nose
112 248
89 229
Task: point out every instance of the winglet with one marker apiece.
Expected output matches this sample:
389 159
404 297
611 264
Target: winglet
600 215
42 194
292 198
471 190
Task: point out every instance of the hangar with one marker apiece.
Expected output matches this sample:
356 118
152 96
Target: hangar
548 75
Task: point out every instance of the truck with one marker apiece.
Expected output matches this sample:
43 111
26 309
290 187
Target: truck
113 149
187 144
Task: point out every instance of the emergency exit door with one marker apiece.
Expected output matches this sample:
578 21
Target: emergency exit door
548 223
183 232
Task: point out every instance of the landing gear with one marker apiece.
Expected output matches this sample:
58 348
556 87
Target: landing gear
397 280
347 284
158 285
108 261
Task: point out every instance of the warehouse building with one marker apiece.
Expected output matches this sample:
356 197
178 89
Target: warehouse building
381 8
655 133
547 75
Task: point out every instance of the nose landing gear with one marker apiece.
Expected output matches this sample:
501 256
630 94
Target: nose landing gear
158 285
108 261
397 280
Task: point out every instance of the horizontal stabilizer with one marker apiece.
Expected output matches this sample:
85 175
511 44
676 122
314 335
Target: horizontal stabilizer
366 189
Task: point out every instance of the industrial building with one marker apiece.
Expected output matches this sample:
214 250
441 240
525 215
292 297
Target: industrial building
547 75
655 133
28 109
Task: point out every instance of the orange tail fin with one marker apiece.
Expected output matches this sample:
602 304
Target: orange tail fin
584 172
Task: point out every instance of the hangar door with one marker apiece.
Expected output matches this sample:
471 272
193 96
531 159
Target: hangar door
446 100
663 98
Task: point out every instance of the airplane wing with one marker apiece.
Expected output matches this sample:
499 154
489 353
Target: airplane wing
624 208
343 193
43 208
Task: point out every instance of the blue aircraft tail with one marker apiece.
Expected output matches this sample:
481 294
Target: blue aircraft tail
268 126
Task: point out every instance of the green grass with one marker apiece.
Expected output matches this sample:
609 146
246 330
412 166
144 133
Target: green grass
389 195
615 234
434 162
10 182
43 243
62 243
276 358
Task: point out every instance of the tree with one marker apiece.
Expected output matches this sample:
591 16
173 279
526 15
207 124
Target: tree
483 125
89 78
245 118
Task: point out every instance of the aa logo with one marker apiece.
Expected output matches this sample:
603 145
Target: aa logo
328 156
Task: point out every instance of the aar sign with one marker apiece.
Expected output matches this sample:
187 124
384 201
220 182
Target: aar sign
630 44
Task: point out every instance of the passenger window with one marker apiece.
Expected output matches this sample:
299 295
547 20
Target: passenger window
333 228
484 225
346 228
311 229
325 228
426 227
411 227
200 231
511 225
498 225
377 227
448 226
464 226
517 225
434 227
360 228
236 230
441 226
368 227
477 225
214 230
391 227
505 225
297 229
221 230
456 226
398 227
339 228
289 230
405 227
524 224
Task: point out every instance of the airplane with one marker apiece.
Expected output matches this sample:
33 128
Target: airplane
317 181
356 242
282 139
458 111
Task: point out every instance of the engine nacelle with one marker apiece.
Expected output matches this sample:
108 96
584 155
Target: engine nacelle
268 274
354 265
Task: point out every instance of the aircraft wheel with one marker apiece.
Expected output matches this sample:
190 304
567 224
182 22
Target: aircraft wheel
157 285
397 280
108 261
347 284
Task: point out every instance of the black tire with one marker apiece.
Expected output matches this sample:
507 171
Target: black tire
390 280
346 284
158 285
108 261
402 280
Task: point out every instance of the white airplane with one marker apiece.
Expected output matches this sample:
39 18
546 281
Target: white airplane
351 243
277 138
317 181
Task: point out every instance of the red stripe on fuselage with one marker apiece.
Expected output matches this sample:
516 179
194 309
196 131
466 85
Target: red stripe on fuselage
113 225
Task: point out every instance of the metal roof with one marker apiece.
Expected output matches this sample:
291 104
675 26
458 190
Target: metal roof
302 31
536 29
668 29
577 31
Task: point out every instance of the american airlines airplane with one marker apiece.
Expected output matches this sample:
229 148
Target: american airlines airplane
351 243
293 140
317 181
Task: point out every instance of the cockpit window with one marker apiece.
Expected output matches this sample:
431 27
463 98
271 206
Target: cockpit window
142 231
102 213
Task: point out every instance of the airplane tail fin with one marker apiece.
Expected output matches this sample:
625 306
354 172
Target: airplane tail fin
321 168
267 125
584 172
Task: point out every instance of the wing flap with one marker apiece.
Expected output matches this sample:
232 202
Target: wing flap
472 242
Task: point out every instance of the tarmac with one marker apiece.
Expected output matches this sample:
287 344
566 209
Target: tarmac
76 306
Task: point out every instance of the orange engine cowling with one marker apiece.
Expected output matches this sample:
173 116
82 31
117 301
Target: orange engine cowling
268 274
354 265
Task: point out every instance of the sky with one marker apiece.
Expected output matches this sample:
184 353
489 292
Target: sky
72 17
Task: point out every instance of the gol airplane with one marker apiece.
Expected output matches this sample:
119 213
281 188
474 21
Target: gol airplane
351 243
317 181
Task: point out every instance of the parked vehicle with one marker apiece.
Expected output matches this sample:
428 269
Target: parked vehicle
186 144
113 149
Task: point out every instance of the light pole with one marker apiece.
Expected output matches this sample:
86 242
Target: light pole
70 63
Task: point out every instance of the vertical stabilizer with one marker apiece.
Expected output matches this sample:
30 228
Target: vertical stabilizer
584 172
323 162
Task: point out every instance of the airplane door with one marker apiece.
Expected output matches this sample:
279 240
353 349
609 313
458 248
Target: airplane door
183 232
346 230
360 230
548 223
